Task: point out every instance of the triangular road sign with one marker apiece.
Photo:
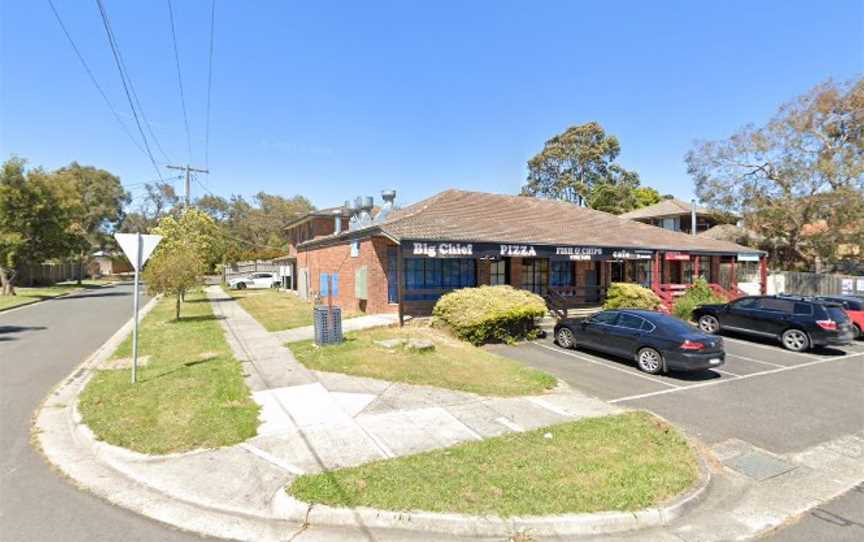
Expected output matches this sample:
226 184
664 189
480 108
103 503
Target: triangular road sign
129 243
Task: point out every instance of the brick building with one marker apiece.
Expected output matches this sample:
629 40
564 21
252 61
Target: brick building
404 259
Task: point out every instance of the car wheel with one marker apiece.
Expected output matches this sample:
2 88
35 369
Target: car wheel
649 361
795 340
856 332
709 324
241 285
565 338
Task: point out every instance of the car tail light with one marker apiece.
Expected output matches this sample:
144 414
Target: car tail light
692 345
829 325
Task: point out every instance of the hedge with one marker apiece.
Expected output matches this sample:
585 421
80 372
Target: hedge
624 295
490 313
698 294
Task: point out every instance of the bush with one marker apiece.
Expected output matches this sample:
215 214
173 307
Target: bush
624 295
490 313
698 294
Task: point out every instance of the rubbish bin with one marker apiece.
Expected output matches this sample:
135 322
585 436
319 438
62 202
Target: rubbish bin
327 331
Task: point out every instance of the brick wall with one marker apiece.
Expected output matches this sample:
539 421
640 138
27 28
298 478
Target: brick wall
316 227
338 259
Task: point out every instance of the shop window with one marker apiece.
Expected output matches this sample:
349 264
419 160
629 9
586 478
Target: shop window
616 272
562 274
535 275
499 272
442 275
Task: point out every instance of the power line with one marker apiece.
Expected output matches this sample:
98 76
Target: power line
180 79
117 61
209 86
125 73
93 78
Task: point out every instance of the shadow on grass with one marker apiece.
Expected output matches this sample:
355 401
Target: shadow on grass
200 318
180 367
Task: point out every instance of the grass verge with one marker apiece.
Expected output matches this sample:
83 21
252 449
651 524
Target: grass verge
624 462
29 295
454 364
190 394
274 310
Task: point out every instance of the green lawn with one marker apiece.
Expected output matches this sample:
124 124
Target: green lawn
28 295
454 364
274 310
190 395
625 462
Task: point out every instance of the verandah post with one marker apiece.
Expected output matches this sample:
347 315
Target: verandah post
763 275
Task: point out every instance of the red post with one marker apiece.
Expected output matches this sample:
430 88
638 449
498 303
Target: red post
733 277
763 275
655 273
695 269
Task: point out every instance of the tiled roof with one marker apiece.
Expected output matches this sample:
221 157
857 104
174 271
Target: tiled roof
456 215
667 207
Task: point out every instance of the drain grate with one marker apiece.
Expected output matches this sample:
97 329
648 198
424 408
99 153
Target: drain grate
758 465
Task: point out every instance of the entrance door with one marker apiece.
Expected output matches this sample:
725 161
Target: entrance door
592 293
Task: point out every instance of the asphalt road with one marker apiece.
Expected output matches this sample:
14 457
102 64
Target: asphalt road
841 520
39 346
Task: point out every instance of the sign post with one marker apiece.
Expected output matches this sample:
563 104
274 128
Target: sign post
138 249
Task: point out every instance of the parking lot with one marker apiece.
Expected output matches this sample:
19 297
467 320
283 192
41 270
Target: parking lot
774 399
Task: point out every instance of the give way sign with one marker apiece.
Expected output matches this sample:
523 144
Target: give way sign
129 243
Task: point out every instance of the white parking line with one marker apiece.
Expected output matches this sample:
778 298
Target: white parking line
606 365
742 377
775 349
745 358
725 372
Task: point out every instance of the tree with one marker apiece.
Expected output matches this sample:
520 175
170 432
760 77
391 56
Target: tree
34 222
579 166
95 199
645 196
195 233
802 171
174 272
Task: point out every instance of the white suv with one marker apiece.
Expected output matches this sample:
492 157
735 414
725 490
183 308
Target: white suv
255 280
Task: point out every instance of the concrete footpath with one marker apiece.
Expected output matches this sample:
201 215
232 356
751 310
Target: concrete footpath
313 421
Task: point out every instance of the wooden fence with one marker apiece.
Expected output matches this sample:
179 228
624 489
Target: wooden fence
791 282
46 274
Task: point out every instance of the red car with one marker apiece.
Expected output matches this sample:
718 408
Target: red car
854 307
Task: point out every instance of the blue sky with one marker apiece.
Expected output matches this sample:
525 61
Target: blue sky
330 99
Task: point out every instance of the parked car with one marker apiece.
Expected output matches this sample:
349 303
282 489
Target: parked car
799 323
854 307
255 280
655 341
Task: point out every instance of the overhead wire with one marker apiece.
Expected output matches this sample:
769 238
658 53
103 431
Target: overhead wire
209 86
118 62
93 79
180 79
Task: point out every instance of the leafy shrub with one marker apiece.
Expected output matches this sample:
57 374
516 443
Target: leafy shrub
698 294
490 313
624 295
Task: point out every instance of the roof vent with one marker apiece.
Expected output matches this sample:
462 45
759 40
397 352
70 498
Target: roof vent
389 197
365 215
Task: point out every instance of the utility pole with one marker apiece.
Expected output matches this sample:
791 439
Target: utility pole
188 170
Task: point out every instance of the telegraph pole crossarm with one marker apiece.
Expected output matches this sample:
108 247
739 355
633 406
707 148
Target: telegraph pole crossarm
188 169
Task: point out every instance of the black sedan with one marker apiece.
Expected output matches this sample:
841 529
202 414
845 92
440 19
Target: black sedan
657 342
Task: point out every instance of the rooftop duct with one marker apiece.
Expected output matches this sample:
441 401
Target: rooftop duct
389 197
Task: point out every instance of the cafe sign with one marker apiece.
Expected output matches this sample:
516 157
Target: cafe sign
632 255
676 256
748 257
